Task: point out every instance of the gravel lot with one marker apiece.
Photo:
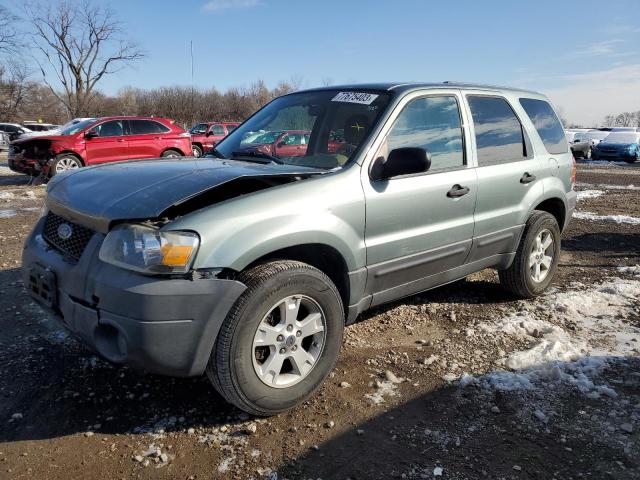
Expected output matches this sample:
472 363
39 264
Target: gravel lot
459 382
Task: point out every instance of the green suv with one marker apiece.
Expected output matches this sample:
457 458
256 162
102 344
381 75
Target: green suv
247 265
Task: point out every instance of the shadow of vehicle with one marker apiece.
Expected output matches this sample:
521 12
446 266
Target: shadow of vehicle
551 430
59 387
623 243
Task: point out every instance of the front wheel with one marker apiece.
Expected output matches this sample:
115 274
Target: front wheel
197 151
536 259
63 163
280 340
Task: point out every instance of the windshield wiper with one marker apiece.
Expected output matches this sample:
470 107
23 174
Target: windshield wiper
256 154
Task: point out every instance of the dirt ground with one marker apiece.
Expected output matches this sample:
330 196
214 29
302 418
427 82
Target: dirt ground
461 382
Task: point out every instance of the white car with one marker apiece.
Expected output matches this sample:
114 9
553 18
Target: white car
56 131
596 136
13 130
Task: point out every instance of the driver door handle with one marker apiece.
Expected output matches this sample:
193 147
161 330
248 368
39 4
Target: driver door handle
527 178
457 191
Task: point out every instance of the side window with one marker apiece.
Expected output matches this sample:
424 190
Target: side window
432 123
547 125
217 130
144 127
199 128
294 139
110 129
499 135
231 128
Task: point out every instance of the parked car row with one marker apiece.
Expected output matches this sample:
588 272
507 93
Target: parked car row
98 140
619 143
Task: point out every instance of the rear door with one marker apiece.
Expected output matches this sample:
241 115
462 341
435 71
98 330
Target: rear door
420 225
146 138
109 144
509 175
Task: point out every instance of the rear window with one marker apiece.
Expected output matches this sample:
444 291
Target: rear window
547 124
499 135
143 127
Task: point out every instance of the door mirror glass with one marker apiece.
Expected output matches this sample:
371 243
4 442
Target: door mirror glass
401 161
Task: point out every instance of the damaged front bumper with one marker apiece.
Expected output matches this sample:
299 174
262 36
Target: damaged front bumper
162 325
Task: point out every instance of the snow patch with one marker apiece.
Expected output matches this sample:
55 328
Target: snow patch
607 186
7 213
606 218
383 389
585 194
576 355
632 270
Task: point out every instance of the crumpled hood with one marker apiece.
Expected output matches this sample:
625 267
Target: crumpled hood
140 190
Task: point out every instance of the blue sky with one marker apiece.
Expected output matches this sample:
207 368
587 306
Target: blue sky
584 54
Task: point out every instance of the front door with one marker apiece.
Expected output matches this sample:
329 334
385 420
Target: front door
109 144
292 145
420 225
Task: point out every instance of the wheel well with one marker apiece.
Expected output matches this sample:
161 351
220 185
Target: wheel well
177 150
555 207
72 153
323 257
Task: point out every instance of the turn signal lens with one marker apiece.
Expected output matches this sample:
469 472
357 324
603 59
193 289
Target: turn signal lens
176 255
574 172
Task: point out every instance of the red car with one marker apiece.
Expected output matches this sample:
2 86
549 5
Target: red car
288 143
94 141
205 135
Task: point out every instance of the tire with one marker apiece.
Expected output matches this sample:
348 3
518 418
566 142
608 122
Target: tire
236 361
171 154
197 151
587 155
519 277
64 162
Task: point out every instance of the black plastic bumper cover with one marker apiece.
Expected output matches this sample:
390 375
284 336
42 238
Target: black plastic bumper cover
165 326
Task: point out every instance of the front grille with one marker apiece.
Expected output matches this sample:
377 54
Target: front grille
77 241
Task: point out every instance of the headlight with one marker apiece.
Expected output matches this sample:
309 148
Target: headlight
632 148
149 250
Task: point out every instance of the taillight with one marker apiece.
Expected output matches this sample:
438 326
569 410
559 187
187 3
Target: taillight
574 171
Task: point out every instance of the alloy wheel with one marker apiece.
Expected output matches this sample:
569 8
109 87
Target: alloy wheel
65 164
289 341
541 256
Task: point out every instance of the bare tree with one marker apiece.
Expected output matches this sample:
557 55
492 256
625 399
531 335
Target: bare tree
9 40
78 44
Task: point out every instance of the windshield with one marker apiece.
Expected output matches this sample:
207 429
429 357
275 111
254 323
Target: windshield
321 129
73 129
622 137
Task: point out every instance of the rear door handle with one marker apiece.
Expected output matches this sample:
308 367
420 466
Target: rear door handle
457 191
527 178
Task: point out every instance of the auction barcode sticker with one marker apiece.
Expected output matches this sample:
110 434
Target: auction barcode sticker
355 97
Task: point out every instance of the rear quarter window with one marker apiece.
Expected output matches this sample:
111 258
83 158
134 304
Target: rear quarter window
547 125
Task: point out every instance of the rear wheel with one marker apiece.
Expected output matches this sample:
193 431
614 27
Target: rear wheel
536 259
280 340
65 162
197 151
171 154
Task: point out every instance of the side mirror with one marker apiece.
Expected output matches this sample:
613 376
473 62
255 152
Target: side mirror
209 133
281 144
401 161
91 134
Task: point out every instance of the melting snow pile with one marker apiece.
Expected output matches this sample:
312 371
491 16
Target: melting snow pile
606 218
595 332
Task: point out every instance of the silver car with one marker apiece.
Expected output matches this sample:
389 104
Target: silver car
246 265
